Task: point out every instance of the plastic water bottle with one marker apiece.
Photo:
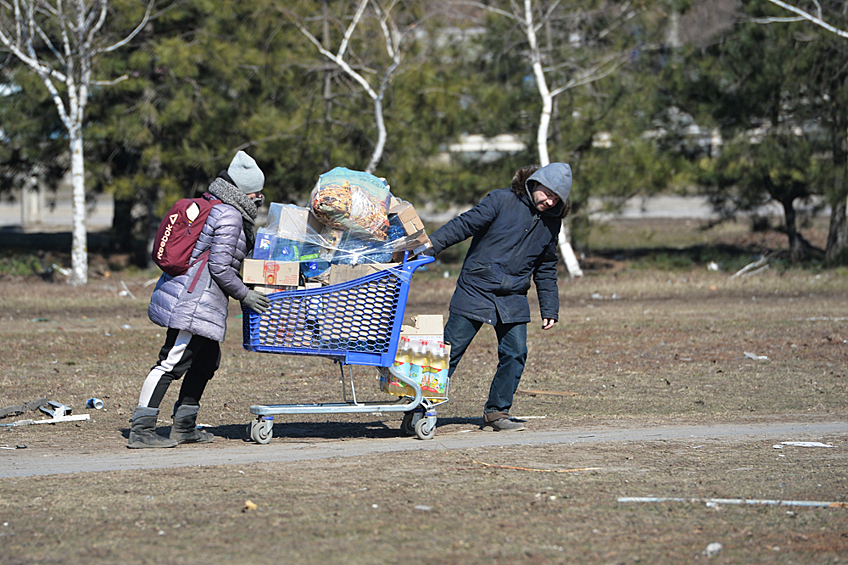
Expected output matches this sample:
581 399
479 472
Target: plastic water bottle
427 380
418 360
439 369
403 357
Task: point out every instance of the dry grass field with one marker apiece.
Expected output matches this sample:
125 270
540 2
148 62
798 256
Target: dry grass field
638 344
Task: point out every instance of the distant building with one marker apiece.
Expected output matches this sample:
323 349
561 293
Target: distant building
477 147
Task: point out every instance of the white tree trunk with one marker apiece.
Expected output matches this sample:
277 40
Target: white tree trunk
381 135
571 262
572 265
392 43
79 242
568 256
70 36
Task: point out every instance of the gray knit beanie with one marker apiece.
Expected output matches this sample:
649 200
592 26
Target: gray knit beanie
246 174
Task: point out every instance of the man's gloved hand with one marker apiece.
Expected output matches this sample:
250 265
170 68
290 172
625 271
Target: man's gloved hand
429 251
256 301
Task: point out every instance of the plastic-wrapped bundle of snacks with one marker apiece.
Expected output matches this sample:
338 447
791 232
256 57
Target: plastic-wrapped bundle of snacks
354 251
352 201
295 235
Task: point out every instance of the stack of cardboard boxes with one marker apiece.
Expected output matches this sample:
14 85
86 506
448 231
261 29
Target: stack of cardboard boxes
301 237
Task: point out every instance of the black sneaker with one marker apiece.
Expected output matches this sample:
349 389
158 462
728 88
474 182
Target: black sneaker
503 425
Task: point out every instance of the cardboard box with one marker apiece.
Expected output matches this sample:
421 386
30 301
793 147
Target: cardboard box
294 223
270 273
265 289
407 215
428 324
417 240
344 273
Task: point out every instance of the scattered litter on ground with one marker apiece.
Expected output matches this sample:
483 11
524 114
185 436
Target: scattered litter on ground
804 444
599 296
423 507
249 505
755 357
126 291
713 549
15 410
57 411
95 403
740 501
75 418
536 470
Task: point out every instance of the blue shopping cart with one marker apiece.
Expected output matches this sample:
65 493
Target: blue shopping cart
353 323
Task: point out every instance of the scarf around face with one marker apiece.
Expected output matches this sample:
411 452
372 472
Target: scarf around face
230 194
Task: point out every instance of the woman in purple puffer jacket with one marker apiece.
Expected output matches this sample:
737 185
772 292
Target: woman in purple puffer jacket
193 306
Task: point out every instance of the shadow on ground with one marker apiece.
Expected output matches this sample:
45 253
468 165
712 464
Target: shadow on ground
324 430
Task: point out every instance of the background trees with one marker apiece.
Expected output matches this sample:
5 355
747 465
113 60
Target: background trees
775 92
211 78
638 98
62 44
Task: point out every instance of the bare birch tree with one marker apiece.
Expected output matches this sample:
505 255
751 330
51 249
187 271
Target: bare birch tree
61 41
393 40
531 16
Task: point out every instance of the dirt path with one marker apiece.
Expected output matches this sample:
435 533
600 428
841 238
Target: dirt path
26 462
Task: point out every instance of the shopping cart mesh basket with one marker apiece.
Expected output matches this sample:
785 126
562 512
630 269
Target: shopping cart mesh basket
358 321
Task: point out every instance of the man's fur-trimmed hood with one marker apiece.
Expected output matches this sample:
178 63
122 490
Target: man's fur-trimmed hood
520 184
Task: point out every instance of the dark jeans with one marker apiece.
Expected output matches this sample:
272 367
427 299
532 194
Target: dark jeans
512 354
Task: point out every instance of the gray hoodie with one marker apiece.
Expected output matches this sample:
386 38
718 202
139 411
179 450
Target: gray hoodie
556 177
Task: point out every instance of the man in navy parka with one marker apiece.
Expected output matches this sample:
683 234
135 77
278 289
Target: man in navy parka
514 233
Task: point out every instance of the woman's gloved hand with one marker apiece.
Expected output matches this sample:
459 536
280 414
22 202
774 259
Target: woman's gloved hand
256 301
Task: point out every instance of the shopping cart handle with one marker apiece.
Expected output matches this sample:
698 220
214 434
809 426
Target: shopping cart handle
419 261
408 267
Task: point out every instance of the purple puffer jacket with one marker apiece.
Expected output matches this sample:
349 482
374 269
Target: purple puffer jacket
204 311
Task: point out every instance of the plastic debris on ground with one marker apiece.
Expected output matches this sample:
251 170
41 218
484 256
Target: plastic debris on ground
802 444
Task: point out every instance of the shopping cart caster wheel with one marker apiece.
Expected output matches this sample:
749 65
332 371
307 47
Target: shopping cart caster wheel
425 428
407 426
261 431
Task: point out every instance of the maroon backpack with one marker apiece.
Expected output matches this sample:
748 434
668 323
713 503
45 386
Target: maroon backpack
178 233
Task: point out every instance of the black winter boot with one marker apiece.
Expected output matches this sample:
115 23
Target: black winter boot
184 429
143 430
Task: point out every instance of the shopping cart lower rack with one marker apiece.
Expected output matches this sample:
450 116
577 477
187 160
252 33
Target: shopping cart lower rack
352 323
